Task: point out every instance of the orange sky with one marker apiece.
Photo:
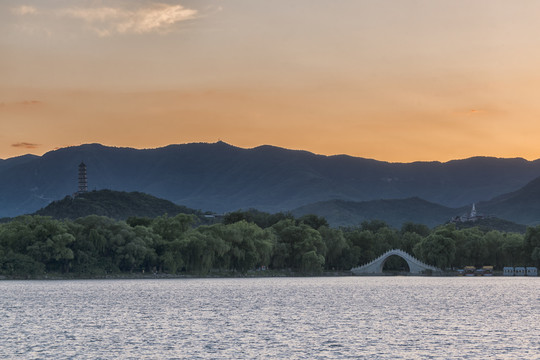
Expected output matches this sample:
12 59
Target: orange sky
391 80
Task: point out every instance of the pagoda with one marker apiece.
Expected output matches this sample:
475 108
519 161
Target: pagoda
83 181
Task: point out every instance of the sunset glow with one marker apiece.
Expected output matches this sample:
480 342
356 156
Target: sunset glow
390 80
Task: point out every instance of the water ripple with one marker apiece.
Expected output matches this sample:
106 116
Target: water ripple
287 318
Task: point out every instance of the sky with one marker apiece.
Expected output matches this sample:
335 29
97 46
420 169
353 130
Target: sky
392 80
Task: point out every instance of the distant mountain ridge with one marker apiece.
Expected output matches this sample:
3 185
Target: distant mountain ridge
504 211
397 212
394 212
522 206
219 177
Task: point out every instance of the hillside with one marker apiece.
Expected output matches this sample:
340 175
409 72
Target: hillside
493 223
522 206
506 212
114 204
393 212
219 177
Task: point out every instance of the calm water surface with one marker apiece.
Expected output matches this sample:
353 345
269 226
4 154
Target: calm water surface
272 318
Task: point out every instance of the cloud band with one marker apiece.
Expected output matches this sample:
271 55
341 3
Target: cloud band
25 145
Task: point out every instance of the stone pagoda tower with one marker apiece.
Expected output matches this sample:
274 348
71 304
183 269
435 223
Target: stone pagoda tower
83 181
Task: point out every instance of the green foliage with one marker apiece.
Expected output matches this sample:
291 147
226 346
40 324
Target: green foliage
294 241
262 219
171 229
373 225
493 223
436 249
312 262
313 221
98 246
419 229
409 240
20 265
336 247
362 244
532 244
513 248
137 220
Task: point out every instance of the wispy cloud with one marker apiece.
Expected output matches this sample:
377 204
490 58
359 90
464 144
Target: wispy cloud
23 103
25 145
107 21
30 102
24 10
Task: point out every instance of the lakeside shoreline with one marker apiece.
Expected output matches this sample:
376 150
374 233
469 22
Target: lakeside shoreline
221 275
211 275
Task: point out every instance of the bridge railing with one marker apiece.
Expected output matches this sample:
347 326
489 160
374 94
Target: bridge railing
401 253
413 259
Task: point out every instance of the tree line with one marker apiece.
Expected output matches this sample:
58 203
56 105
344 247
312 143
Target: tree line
244 241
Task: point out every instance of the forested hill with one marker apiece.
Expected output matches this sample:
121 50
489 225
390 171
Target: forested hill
505 212
219 177
113 204
522 206
394 212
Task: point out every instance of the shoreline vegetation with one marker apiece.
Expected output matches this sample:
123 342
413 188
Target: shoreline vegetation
243 244
252 274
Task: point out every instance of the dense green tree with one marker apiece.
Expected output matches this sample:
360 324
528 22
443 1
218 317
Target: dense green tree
420 229
313 221
386 239
513 249
20 265
262 219
97 245
312 262
18 234
532 244
41 238
373 225
170 244
205 250
236 216
493 243
298 240
249 245
362 246
136 250
476 250
436 249
409 240
336 247
172 228
139 221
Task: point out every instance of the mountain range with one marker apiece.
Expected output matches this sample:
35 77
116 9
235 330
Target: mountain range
122 205
397 212
219 177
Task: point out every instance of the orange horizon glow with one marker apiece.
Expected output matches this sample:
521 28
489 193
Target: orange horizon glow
397 82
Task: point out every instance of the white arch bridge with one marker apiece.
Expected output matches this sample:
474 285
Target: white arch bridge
376 266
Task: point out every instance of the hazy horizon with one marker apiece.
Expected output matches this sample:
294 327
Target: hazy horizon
256 146
393 81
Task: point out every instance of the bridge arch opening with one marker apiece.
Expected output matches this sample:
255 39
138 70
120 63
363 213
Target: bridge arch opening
376 265
395 264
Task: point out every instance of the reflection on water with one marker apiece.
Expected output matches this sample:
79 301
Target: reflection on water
301 318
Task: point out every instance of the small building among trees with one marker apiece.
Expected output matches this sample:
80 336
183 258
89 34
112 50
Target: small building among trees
472 216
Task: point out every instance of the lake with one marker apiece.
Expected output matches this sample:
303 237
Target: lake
272 318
